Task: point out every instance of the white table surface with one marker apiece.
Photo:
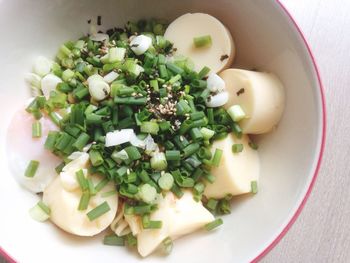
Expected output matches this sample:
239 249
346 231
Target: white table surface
322 231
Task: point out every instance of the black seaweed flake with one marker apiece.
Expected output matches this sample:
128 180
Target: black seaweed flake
241 91
223 57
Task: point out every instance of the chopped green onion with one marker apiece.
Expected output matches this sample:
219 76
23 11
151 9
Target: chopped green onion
113 240
131 100
154 84
224 206
202 41
167 245
83 183
81 141
237 130
177 191
254 146
174 79
158 161
164 126
254 187
172 155
141 209
191 149
108 194
96 158
56 118
133 153
36 129
149 224
131 240
98 211
182 107
59 167
217 157
237 148
84 201
31 168
40 212
174 68
196 134
149 127
101 185
207 133
210 226
204 71
212 204
199 188
67 74
236 113
197 115
147 193
166 181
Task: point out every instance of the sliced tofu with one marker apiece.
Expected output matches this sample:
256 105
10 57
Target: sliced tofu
65 213
188 26
236 170
22 148
261 96
179 217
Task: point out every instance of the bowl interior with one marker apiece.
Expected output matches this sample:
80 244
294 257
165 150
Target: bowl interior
266 39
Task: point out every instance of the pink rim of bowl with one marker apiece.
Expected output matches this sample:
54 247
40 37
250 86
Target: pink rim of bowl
8 258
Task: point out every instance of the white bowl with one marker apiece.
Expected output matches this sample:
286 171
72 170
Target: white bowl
267 38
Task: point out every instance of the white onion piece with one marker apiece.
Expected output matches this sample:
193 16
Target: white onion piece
99 37
87 147
42 66
150 145
93 78
215 83
140 44
99 90
75 155
217 100
77 163
135 141
33 80
118 137
49 83
110 77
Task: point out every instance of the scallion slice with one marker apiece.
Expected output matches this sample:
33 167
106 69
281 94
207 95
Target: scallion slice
202 41
254 187
84 201
40 212
217 222
31 168
147 193
149 127
166 181
237 148
36 129
167 245
217 157
98 211
236 113
113 240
